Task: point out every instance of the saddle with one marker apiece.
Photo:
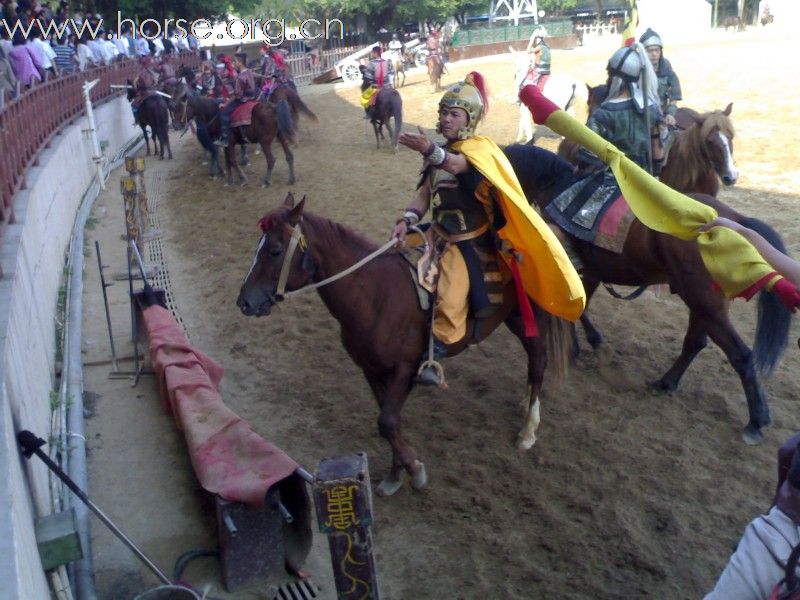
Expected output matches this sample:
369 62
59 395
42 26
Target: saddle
242 114
423 254
594 210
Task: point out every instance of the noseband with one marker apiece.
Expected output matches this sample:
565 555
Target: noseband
298 239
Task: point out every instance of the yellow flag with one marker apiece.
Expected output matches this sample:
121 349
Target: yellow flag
631 22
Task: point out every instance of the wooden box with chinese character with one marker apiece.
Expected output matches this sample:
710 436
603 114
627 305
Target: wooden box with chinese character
342 493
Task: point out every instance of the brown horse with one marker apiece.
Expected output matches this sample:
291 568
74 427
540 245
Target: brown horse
284 96
265 125
153 113
383 327
649 258
702 153
388 105
435 69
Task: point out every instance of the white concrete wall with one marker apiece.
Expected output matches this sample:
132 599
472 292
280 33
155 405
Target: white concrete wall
32 256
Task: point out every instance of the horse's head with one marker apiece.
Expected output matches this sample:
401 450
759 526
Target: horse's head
281 261
596 95
716 130
180 107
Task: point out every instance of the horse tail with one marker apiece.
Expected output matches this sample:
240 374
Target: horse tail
300 106
286 124
397 111
774 320
559 347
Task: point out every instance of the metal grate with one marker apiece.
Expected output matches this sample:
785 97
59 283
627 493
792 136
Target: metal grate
155 249
296 590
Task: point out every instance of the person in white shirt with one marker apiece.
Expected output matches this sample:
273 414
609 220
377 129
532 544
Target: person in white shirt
86 58
141 46
121 45
45 51
95 47
159 46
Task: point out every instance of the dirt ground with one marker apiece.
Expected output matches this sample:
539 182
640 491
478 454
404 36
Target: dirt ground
626 494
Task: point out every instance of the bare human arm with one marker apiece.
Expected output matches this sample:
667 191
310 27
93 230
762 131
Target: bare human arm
786 266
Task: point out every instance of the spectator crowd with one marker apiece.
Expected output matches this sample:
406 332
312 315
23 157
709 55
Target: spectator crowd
32 51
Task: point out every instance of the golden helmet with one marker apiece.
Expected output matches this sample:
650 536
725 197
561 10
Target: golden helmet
469 95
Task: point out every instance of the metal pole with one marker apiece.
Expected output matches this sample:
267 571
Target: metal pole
104 285
32 445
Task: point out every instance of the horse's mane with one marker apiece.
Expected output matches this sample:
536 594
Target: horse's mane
688 157
328 232
331 232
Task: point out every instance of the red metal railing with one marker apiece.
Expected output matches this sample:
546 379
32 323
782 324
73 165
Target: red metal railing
28 123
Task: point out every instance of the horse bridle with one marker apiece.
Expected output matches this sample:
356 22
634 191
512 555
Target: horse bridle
296 240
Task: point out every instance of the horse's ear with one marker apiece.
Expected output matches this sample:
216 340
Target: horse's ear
297 212
727 111
289 200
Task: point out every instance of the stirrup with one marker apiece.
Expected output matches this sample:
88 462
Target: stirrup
431 373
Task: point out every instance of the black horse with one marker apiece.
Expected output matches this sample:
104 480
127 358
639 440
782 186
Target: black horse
388 104
153 113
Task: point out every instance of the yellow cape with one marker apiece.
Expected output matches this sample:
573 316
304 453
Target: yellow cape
547 273
734 264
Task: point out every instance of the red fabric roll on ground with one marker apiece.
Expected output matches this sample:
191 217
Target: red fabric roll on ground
229 457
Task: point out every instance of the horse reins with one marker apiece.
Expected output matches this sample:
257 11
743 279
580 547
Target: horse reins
298 239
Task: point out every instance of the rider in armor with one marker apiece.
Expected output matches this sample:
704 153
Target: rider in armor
669 86
244 89
378 73
474 194
621 118
433 44
398 48
540 67
144 83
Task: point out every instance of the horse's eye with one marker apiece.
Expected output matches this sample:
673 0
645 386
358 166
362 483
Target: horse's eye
275 251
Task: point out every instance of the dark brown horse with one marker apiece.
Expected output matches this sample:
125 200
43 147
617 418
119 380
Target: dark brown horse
388 105
649 258
265 125
435 70
285 97
383 327
153 113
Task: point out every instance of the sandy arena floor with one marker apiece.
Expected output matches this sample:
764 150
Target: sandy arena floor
626 494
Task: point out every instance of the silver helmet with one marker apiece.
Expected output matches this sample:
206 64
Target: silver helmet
625 63
651 38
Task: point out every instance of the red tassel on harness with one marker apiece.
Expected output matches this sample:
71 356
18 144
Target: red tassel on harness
788 294
528 318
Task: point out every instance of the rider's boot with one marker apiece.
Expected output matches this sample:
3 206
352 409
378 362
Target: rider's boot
430 371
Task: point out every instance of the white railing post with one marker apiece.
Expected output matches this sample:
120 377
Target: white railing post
97 155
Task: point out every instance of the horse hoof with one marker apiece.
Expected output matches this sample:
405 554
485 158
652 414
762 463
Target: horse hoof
525 442
266 183
752 435
388 487
662 387
419 477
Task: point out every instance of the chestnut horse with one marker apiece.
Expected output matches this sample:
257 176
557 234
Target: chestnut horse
265 125
700 156
649 258
383 328
435 70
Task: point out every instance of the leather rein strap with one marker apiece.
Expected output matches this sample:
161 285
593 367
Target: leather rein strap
298 239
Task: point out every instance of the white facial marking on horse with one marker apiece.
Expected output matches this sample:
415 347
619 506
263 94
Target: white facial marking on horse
732 172
261 243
